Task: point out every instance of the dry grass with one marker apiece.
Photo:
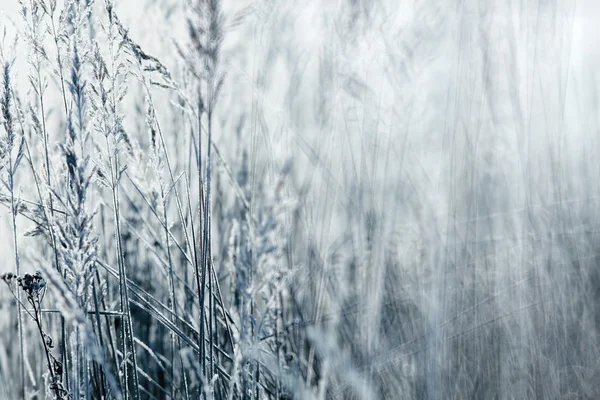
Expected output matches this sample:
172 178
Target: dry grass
277 201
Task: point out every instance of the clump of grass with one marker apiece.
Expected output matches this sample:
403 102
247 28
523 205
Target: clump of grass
172 274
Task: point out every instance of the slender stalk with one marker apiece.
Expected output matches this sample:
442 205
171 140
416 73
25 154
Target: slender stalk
172 299
13 209
126 326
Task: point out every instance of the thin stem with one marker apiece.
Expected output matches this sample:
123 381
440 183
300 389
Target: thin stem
13 208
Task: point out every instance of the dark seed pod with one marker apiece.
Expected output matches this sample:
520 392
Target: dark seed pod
58 368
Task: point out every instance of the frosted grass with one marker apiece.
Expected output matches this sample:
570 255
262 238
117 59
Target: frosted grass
402 201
